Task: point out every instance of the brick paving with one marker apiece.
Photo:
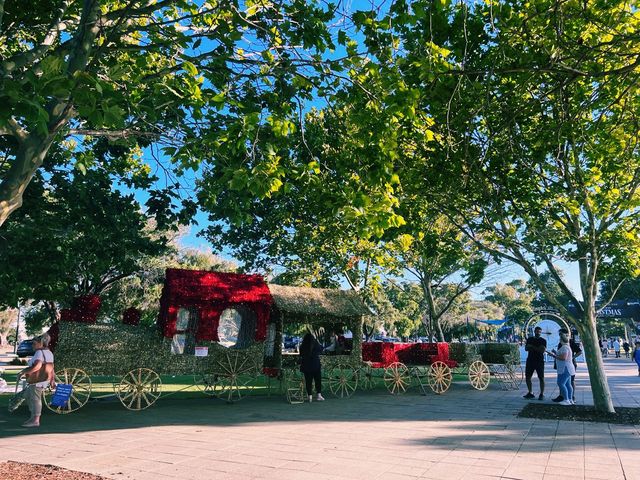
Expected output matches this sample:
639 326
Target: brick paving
463 434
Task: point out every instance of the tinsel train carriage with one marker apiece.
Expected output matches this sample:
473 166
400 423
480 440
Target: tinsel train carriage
226 330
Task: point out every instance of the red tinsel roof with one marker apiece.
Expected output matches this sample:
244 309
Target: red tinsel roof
200 286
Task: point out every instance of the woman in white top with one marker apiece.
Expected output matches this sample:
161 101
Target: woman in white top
33 391
564 362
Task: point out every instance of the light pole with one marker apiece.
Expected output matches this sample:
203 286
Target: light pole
15 344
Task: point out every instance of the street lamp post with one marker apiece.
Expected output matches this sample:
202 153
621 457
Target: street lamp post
15 344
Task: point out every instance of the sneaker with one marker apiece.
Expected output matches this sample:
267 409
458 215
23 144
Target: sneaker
531 395
310 398
319 398
30 424
566 402
541 397
559 398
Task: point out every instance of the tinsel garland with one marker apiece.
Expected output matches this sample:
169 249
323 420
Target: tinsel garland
383 354
131 316
115 349
83 309
210 293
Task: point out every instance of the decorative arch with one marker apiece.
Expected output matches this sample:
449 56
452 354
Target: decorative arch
546 315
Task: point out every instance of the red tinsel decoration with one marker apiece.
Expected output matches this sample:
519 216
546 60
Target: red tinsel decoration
211 293
271 372
83 310
54 333
131 316
383 354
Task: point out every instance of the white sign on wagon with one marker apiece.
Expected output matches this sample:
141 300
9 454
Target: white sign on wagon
202 351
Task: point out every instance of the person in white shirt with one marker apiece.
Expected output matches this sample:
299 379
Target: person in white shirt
616 347
564 362
33 391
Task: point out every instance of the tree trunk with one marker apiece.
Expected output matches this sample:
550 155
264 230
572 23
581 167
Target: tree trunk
3 339
593 357
440 334
53 311
427 324
28 159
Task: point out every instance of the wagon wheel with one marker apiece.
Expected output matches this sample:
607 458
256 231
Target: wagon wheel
439 377
139 389
294 386
515 375
206 382
80 393
366 377
235 372
343 380
479 375
397 378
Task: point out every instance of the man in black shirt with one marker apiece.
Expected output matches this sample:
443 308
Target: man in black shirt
536 347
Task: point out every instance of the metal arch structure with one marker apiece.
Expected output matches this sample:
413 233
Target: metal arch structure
553 315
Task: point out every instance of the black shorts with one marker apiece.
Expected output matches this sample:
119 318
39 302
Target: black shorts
537 367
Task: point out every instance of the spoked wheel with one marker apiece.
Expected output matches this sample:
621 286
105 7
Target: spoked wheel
206 382
516 374
294 386
479 375
233 377
343 381
139 389
366 378
80 392
439 377
397 378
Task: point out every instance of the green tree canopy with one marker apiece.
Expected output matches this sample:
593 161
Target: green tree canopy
171 80
75 235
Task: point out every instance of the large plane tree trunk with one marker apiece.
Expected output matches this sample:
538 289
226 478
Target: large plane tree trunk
29 158
593 357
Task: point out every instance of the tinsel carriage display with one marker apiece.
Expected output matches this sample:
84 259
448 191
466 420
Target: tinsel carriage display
322 311
211 326
226 331
423 364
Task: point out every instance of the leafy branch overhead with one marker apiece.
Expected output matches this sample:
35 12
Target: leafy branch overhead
170 79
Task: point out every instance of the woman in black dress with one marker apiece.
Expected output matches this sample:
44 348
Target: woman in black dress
310 351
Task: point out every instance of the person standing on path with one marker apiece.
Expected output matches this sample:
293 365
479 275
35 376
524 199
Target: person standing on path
564 360
310 350
616 347
626 347
636 356
535 347
33 391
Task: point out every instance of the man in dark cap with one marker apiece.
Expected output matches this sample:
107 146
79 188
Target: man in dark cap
536 347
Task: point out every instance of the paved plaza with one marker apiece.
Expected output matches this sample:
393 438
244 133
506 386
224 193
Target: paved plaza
463 434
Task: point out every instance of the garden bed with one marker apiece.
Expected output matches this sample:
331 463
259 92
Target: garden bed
31 471
580 413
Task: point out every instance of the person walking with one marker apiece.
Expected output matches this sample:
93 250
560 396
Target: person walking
310 350
616 347
626 347
604 347
636 355
576 351
564 361
535 347
40 375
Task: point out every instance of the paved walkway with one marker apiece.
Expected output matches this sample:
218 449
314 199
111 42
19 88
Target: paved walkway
463 434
